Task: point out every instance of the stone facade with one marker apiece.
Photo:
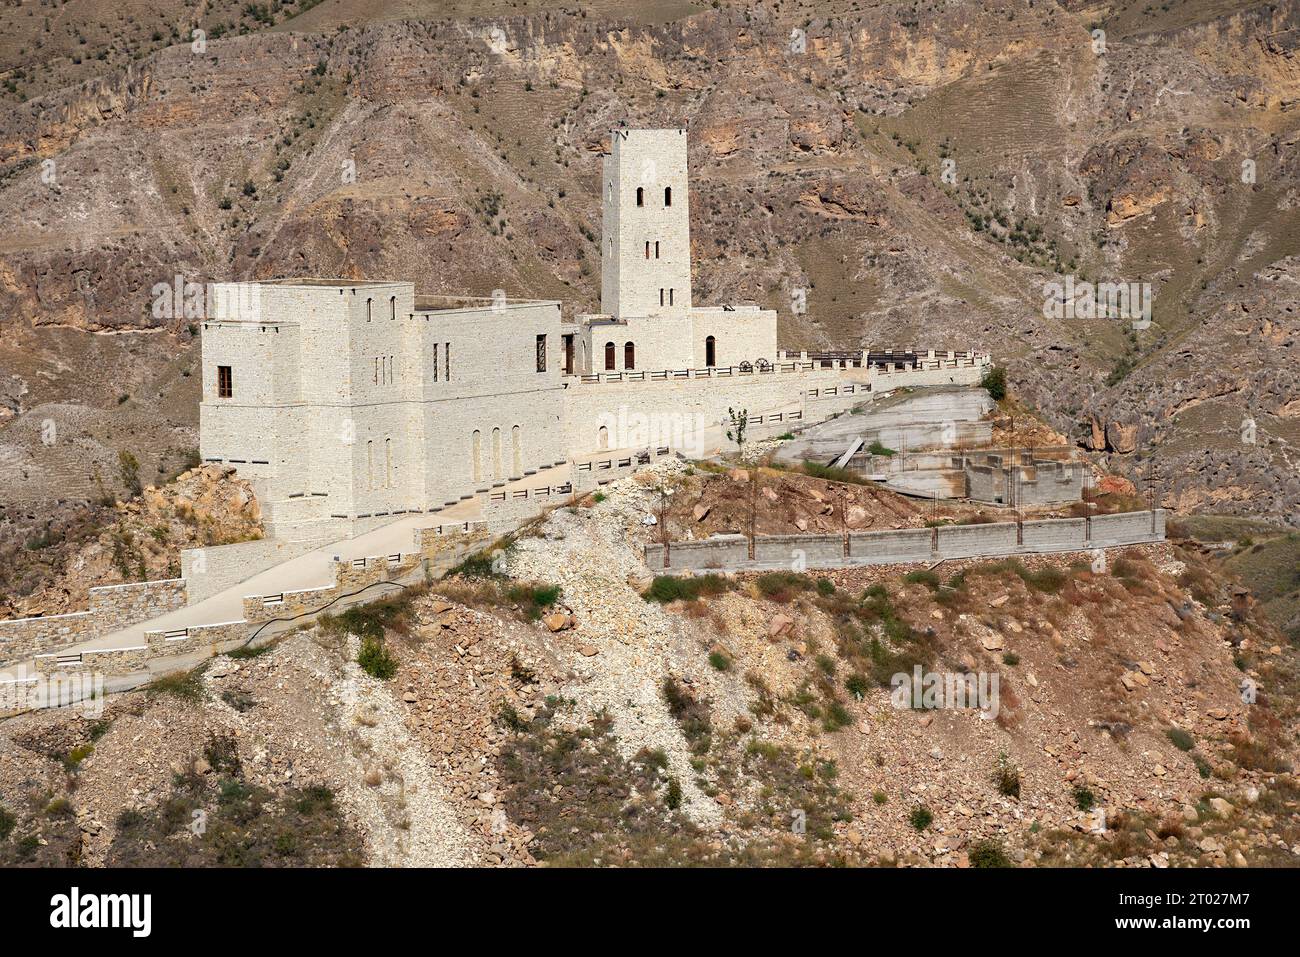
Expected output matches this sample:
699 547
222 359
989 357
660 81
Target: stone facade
112 607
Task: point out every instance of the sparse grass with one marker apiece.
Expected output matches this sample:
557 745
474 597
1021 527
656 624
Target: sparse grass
782 586
1182 740
186 685
830 473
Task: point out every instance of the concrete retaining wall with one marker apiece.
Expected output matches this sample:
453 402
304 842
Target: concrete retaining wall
729 552
721 551
1127 527
966 541
902 545
218 567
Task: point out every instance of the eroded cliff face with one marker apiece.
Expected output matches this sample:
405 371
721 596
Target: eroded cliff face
921 175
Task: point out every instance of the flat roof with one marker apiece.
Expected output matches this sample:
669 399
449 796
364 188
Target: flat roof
328 283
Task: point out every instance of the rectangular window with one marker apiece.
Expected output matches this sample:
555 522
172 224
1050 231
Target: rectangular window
541 353
446 360
225 384
435 362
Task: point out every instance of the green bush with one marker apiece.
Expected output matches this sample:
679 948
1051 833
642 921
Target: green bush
667 588
1011 658
922 577
880 797
673 796
375 660
1084 799
877 448
1006 776
719 661
988 853
825 587
921 818
995 382
1182 740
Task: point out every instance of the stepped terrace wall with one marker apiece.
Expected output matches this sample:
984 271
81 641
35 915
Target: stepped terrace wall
898 546
112 607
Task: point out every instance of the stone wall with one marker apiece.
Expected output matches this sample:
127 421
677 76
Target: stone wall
730 552
112 607
215 568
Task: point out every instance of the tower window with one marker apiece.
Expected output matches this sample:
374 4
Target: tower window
225 384
656 250
647 248
541 353
670 297
668 195
369 304
710 352
629 356
661 297
640 196
392 307
609 356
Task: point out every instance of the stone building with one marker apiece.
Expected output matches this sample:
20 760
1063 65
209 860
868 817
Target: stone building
346 403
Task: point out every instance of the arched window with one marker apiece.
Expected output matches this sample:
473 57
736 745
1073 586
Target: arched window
670 297
370 464
392 307
609 355
496 453
640 196
629 356
369 303
668 195
476 452
710 352
388 463
647 248
602 438
517 452
656 249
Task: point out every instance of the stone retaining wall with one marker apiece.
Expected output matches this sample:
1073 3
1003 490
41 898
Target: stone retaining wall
112 607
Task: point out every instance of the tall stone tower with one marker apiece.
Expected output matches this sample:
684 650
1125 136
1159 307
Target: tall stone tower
646 233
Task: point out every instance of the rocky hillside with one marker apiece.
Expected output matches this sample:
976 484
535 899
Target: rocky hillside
49 564
921 172
552 714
